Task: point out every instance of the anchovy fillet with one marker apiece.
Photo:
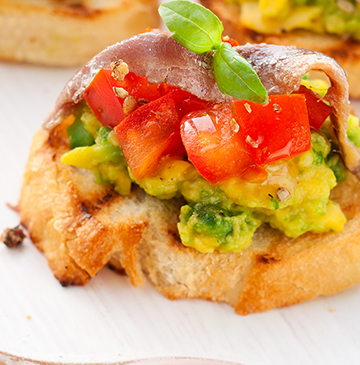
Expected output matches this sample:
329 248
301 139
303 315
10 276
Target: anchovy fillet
158 57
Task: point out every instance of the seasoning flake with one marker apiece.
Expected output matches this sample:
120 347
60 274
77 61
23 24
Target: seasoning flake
129 105
282 194
251 142
119 70
248 108
13 237
120 92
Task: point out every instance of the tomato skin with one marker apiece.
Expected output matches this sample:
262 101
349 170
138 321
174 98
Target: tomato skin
277 130
318 110
150 134
167 89
107 106
139 87
192 103
215 144
102 100
231 41
186 102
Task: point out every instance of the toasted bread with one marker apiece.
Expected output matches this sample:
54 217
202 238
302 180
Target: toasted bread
82 226
345 52
69 33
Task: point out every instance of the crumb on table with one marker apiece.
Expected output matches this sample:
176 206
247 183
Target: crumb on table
13 237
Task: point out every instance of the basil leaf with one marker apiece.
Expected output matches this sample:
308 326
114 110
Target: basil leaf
236 77
195 27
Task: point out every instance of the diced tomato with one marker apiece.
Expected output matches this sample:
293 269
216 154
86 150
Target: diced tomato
166 89
215 144
222 141
187 102
102 100
107 106
192 103
318 110
277 130
232 42
139 87
150 134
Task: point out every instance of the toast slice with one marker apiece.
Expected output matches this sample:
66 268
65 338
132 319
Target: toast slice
345 52
69 33
82 226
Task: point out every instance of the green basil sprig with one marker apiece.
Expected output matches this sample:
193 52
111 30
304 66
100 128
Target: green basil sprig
235 76
199 30
195 27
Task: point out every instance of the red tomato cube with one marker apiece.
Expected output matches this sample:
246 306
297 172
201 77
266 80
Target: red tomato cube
215 144
277 130
102 100
318 111
150 134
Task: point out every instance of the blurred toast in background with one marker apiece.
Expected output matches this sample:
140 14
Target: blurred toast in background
69 32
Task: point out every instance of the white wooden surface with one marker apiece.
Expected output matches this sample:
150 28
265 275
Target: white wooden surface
109 321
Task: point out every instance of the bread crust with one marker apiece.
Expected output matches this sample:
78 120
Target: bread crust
82 226
60 34
345 52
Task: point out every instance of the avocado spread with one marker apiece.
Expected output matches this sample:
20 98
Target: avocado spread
338 17
225 216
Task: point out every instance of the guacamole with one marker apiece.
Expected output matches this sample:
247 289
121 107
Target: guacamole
224 216
341 18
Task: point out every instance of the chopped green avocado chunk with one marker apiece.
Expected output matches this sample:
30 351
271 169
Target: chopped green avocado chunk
335 162
83 131
102 151
210 227
78 135
117 174
353 133
353 130
334 159
103 157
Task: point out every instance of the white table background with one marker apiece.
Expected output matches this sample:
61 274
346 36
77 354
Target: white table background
109 321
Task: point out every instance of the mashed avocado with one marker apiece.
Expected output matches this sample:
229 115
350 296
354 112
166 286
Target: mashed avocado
341 17
97 148
209 227
225 216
